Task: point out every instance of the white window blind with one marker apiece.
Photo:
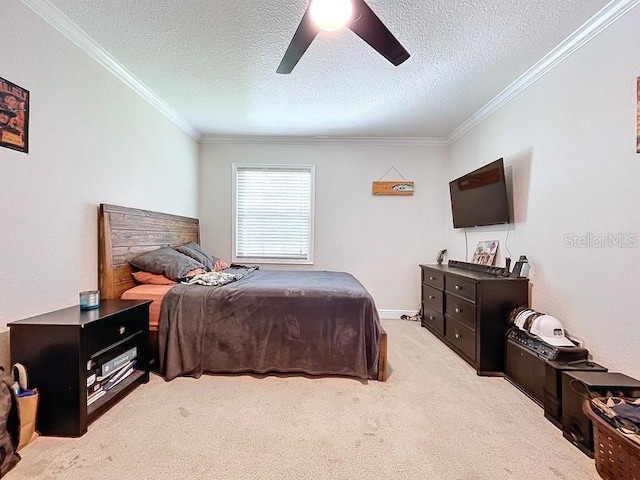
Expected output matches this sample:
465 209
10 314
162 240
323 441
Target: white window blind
274 213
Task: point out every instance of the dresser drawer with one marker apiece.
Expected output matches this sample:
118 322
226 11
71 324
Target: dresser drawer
461 311
109 331
461 287
433 278
432 298
462 338
432 320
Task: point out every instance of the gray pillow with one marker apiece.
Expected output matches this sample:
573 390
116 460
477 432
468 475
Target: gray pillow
166 261
195 251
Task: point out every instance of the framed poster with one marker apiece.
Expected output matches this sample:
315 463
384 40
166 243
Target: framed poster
14 116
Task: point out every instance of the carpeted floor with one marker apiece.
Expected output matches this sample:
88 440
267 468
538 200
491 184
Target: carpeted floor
434 419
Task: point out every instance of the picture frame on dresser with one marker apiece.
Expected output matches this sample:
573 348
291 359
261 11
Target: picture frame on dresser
485 252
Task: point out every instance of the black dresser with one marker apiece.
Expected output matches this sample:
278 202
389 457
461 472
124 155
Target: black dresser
468 311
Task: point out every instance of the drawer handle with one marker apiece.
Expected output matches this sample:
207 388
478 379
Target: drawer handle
458 310
431 317
121 330
458 287
458 335
431 297
432 278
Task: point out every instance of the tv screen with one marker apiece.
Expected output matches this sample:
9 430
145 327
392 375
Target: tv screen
480 197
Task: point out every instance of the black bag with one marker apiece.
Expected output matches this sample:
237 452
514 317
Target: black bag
9 424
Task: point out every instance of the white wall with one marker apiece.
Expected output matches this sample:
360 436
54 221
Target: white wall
92 140
379 239
569 144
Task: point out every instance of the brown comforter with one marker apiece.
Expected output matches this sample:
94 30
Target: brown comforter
319 323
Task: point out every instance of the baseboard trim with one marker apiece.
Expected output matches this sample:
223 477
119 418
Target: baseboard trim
394 314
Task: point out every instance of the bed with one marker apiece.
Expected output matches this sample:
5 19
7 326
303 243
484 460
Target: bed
256 318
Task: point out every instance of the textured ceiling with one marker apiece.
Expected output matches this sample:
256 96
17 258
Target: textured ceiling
214 61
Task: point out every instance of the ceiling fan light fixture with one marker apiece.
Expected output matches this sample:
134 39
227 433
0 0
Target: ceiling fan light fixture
331 15
366 25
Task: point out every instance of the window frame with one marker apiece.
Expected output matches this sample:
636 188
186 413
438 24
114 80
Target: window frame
234 213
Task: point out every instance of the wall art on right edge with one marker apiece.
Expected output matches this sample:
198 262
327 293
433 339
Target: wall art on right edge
638 115
14 116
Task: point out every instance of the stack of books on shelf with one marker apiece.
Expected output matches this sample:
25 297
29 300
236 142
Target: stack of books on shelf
102 378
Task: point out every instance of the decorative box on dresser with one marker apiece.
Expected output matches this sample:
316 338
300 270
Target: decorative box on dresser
468 311
64 352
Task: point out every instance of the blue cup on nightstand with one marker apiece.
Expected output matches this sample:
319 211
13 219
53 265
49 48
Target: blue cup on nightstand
89 299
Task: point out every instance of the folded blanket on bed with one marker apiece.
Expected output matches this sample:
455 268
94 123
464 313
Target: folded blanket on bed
216 279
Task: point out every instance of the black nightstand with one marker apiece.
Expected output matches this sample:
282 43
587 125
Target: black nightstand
62 350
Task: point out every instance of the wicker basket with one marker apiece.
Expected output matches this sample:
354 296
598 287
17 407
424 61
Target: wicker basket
617 457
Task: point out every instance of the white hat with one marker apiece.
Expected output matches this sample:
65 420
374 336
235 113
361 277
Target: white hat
549 330
525 318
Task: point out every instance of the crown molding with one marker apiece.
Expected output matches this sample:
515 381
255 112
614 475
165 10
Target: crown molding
596 24
322 140
589 30
79 37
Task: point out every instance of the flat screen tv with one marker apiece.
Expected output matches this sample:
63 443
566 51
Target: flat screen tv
480 197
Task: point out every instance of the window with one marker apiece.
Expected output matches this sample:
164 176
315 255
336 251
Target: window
273 213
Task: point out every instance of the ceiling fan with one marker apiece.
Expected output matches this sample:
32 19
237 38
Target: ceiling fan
360 19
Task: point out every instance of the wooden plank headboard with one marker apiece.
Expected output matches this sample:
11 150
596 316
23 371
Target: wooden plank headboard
124 233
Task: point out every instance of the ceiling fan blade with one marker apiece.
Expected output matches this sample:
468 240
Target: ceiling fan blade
370 28
306 32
